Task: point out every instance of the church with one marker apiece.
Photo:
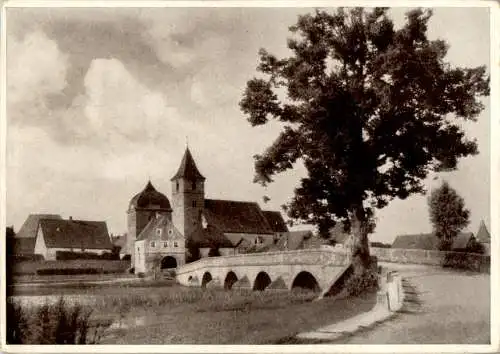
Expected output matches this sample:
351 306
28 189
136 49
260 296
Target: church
165 234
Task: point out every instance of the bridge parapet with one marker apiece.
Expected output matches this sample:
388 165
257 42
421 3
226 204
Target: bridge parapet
318 257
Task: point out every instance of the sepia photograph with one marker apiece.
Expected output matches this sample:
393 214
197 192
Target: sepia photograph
228 173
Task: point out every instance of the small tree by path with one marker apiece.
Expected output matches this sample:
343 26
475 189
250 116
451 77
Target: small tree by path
369 109
448 214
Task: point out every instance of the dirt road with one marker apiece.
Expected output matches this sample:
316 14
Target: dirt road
455 310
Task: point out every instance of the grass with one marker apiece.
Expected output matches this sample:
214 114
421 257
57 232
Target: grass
58 323
215 316
179 315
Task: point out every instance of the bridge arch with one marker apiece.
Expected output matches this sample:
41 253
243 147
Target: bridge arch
168 262
207 277
231 278
305 280
262 281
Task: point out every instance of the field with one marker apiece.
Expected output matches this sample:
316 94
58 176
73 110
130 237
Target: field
166 313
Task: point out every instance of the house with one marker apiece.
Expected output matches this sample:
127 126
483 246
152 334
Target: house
210 226
275 220
429 241
77 236
23 242
160 244
339 236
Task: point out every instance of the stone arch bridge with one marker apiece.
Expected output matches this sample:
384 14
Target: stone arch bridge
316 269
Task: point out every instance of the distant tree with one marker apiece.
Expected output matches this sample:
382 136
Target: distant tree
369 109
192 252
448 214
213 252
9 231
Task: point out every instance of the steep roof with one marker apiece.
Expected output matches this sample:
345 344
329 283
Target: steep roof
294 240
160 222
338 233
236 217
75 234
20 246
483 235
210 237
188 169
429 241
30 226
275 220
150 198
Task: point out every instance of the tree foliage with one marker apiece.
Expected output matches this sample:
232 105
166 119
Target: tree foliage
448 214
369 109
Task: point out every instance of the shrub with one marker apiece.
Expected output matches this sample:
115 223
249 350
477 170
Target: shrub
68 255
462 260
213 252
364 282
68 271
57 323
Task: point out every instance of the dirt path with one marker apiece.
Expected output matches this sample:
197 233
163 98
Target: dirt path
455 310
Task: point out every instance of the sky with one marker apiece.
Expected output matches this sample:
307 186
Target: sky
99 100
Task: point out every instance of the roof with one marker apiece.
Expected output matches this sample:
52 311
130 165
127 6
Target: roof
75 234
294 240
30 226
150 198
236 217
275 220
483 235
160 222
188 169
338 233
429 241
21 246
210 237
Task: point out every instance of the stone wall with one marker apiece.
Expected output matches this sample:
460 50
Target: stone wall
427 257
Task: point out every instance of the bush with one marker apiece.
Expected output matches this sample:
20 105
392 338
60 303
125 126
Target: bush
357 284
52 324
68 271
462 260
68 255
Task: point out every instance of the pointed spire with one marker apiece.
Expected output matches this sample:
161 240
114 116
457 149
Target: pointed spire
188 169
149 186
482 234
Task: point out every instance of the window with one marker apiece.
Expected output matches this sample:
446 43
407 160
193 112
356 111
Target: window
193 203
177 186
170 232
158 231
176 244
193 185
153 244
165 244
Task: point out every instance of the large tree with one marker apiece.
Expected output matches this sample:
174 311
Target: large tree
369 109
448 214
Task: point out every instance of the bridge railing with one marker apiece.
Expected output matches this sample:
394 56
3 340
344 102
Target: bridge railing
334 257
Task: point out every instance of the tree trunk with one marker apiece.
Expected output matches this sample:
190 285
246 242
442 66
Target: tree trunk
360 249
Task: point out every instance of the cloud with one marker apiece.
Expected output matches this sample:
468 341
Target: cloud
36 68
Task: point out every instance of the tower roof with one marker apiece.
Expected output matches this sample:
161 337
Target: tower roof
188 169
482 234
150 198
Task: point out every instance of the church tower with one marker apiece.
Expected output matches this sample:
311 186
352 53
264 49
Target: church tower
143 207
188 196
